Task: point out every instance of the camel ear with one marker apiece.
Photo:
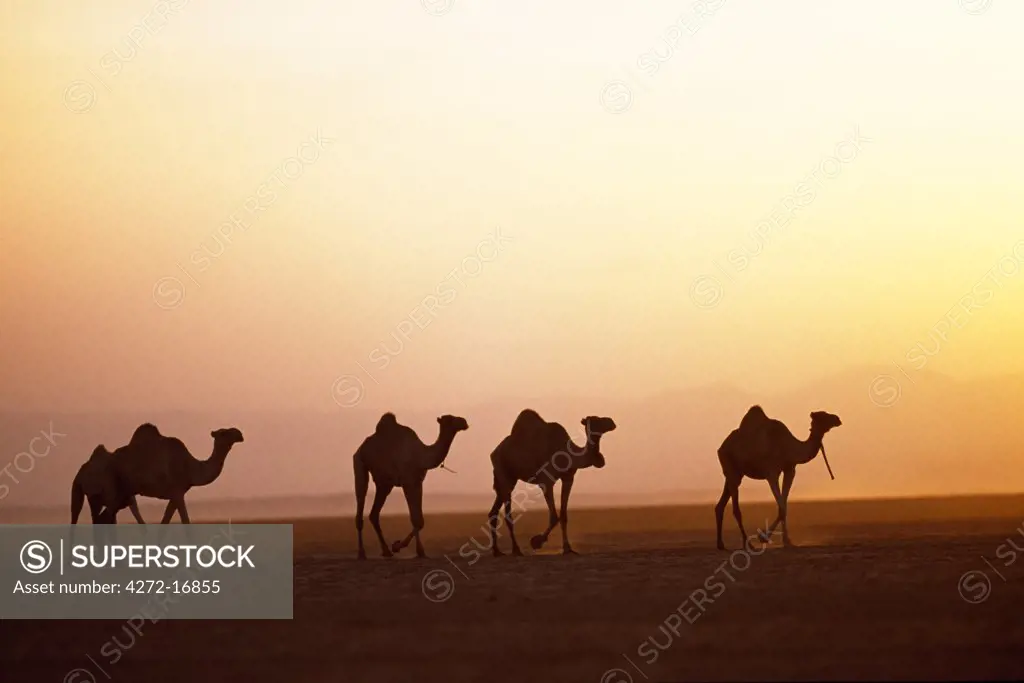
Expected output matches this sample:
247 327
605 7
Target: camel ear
438 420
213 434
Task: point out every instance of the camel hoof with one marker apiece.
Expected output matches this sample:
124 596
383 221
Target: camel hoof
386 553
764 537
569 551
497 553
421 555
517 552
537 542
396 547
361 556
721 546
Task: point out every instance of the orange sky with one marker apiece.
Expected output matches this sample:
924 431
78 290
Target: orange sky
501 200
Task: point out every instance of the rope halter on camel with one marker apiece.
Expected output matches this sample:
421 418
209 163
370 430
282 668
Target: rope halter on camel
826 463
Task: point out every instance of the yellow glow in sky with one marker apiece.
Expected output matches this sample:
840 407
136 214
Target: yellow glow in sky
234 204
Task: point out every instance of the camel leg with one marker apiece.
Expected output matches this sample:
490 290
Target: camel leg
510 523
96 510
720 513
378 503
766 535
502 492
538 541
107 515
735 493
182 512
134 507
783 502
787 484
169 512
414 499
362 478
492 521
564 519
77 500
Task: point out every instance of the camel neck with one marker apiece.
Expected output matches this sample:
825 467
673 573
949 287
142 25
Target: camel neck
438 451
204 472
809 448
584 457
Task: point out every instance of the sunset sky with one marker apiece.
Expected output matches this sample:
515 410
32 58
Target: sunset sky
622 188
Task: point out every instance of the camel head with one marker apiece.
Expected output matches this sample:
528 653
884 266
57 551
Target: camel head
822 422
452 424
596 426
228 436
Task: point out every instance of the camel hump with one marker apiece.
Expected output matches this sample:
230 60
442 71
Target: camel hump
145 432
755 416
527 420
387 421
99 453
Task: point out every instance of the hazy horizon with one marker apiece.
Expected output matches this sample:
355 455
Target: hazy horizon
664 445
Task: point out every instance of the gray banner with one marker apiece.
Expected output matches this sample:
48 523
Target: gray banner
146 571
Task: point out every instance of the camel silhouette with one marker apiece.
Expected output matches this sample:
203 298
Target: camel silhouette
394 456
161 466
526 454
763 448
96 481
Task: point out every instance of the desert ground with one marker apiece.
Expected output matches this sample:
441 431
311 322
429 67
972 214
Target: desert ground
911 589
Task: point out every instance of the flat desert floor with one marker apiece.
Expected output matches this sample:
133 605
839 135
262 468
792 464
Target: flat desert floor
916 589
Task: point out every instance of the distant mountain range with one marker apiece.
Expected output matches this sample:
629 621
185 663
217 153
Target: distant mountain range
916 434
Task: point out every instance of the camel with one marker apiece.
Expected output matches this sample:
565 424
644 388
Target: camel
525 455
394 456
96 482
161 466
763 448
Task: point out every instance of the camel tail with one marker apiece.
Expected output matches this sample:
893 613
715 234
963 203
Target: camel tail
77 500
